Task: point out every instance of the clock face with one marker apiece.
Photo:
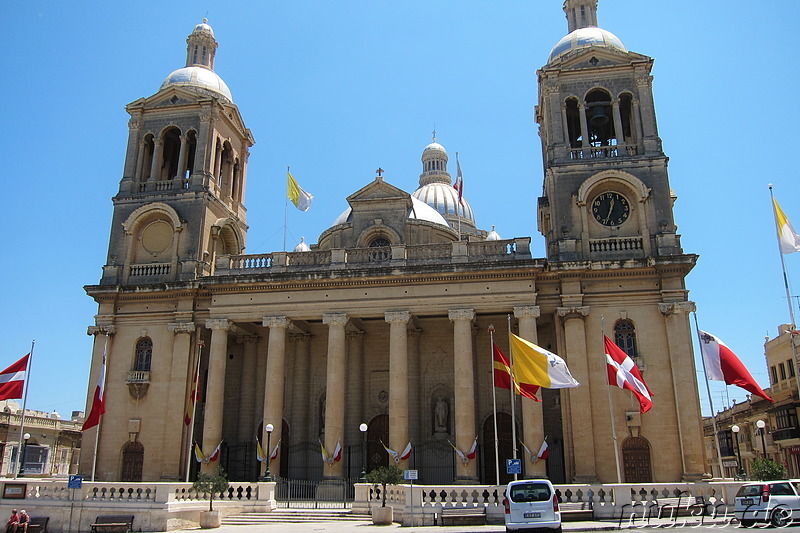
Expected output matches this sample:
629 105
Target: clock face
611 209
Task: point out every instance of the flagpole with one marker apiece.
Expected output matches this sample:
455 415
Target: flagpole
786 286
710 400
19 462
286 208
494 409
100 417
462 212
611 404
200 345
513 387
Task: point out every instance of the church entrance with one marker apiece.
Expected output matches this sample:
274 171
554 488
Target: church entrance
636 460
132 462
505 444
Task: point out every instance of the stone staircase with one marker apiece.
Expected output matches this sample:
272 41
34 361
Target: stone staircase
294 516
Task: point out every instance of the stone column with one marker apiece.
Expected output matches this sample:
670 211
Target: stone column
334 391
584 125
581 418
464 372
139 172
174 411
155 165
274 383
398 380
532 419
183 156
215 387
247 398
618 132
355 402
684 389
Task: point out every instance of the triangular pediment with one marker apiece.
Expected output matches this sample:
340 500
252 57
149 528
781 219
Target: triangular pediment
378 190
597 57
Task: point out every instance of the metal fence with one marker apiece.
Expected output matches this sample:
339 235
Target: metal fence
312 494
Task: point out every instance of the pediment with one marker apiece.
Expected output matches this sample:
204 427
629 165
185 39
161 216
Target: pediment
169 97
378 190
597 57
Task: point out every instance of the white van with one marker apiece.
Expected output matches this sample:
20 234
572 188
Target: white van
531 504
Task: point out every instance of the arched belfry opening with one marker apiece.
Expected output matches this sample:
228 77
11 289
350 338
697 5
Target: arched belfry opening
170 153
599 119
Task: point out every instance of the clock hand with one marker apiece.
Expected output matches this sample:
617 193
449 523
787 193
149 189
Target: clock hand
610 209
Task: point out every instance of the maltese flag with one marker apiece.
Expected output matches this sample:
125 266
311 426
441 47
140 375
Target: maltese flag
12 380
624 373
723 365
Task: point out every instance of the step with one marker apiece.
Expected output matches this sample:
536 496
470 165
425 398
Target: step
293 516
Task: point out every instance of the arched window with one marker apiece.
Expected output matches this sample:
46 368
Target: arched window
379 242
625 337
144 354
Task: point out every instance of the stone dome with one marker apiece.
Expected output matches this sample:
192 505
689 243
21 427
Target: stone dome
302 246
199 77
493 235
444 199
203 28
434 147
583 38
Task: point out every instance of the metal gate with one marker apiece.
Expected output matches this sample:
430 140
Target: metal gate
312 494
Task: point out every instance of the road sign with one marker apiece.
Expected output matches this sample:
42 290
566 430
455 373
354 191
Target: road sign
74 482
410 474
513 466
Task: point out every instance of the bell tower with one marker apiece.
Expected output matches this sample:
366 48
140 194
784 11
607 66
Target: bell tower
606 192
181 198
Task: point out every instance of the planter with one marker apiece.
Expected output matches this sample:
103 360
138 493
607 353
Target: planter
210 519
382 516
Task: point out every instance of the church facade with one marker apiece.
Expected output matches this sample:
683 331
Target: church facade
386 320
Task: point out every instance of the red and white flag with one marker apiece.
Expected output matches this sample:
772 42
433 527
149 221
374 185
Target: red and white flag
12 380
474 450
215 454
623 373
459 184
274 453
337 452
194 395
406 453
98 402
544 451
723 365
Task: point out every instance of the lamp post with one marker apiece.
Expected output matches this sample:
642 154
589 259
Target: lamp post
363 478
761 425
267 475
735 430
26 436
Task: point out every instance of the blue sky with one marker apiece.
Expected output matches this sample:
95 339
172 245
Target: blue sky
338 88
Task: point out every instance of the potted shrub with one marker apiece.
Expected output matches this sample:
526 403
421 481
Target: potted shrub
211 484
383 476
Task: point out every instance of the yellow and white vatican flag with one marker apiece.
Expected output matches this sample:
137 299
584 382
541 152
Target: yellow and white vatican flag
788 238
533 365
300 198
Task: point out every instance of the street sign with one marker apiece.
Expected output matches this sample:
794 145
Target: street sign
513 466
410 474
74 482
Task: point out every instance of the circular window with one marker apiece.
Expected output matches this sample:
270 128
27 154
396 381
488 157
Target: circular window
157 237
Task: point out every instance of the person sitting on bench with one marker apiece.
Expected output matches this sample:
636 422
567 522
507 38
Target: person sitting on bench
13 520
24 520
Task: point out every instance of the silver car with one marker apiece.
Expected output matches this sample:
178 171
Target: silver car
776 502
531 504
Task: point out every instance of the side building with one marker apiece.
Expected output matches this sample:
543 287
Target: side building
385 320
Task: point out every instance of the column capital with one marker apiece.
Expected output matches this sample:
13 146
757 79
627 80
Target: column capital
580 311
528 311
393 317
219 323
181 327
335 319
355 335
275 322
299 337
108 329
677 307
461 314
247 339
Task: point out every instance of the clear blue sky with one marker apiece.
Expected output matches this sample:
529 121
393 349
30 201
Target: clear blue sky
338 88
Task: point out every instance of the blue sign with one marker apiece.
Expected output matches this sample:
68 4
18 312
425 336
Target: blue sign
74 482
513 466
410 474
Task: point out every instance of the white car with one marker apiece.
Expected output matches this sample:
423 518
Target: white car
531 504
776 502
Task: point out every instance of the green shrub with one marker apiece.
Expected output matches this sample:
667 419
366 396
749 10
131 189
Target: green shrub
211 484
385 475
767 470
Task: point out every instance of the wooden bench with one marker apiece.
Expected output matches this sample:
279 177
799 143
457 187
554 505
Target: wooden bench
576 511
38 524
681 506
462 516
113 524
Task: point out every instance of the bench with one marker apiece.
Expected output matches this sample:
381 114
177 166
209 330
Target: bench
38 524
576 511
682 506
461 516
113 524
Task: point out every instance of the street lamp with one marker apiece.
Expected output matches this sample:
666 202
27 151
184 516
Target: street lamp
761 424
363 478
267 476
26 436
735 430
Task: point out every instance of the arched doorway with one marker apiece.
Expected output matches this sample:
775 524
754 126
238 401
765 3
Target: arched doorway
636 462
505 443
132 462
377 432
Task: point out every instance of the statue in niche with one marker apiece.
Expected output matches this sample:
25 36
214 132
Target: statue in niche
441 416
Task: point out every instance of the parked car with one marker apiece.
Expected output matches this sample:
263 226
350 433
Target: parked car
776 502
531 504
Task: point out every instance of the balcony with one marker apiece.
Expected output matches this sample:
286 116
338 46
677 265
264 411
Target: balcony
138 382
786 434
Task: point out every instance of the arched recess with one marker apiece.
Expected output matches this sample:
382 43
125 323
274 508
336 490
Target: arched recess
191 147
378 231
170 153
146 159
136 218
132 462
151 231
226 239
505 450
377 432
573 125
636 460
599 118
627 119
